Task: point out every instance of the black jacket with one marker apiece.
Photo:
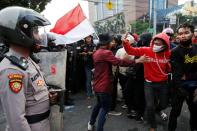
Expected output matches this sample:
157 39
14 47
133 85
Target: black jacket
88 60
184 64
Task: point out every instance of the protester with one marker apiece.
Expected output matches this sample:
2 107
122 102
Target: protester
115 46
184 63
123 76
170 32
155 73
136 83
103 79
87 50
126 79
194 39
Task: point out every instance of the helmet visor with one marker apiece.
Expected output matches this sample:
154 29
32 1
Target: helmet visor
40 36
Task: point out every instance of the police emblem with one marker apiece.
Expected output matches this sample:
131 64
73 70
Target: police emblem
15 82
40 83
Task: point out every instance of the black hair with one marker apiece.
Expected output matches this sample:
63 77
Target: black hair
105 39
130 33
118 40
91 38
145 40
186 25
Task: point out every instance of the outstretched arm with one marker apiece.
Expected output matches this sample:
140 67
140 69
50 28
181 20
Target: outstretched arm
132 50
124 62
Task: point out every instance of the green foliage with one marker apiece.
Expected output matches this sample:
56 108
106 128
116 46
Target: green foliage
38 5
186 18
190 19
139 26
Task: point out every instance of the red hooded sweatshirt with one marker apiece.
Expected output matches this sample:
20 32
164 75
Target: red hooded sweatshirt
157 68
194 40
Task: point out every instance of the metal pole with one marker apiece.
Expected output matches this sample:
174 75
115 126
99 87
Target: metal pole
29 3
150 10
96 10
165 6
102 9
116 6
167 3
155 17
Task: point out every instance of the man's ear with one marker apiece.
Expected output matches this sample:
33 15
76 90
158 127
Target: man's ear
192 35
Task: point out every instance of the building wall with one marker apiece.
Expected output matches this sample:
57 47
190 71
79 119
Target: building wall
98 11
172 3
129 11
132 9
141 8
92 12
161 4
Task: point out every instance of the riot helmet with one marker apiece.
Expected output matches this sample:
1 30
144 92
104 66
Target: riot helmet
17 25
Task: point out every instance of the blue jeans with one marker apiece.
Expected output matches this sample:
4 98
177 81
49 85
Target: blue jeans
88 74
103 106
156 96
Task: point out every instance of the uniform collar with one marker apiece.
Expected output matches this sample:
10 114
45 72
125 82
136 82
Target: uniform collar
16 54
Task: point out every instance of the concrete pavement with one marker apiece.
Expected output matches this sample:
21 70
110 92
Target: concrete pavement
76 119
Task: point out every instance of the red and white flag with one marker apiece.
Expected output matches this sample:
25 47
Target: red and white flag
72 27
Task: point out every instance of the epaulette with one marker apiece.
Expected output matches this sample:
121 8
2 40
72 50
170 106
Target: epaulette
21 63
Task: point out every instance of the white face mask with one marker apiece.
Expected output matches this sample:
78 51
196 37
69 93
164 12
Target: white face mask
157 48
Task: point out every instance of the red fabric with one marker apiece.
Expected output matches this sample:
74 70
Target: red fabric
53 69
135 37
194 40
152 71
103 77
69 21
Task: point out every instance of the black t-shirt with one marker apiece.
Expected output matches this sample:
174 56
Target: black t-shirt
184 64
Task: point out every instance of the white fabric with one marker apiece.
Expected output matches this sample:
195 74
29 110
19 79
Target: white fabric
130 38
168 30
79 32
157 48
121 54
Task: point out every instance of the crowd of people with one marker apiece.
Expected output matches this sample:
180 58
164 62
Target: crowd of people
154 72
161 72
160 76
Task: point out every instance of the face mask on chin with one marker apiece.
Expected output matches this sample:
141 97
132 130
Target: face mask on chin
186 43
158 49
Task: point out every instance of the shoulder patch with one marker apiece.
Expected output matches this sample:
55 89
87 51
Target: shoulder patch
15 76
15 82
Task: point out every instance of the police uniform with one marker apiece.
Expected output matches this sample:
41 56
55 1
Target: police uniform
24 95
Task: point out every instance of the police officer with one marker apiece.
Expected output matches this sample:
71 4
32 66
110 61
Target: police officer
23 91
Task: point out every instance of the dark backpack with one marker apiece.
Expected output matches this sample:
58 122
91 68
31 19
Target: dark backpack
136 70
